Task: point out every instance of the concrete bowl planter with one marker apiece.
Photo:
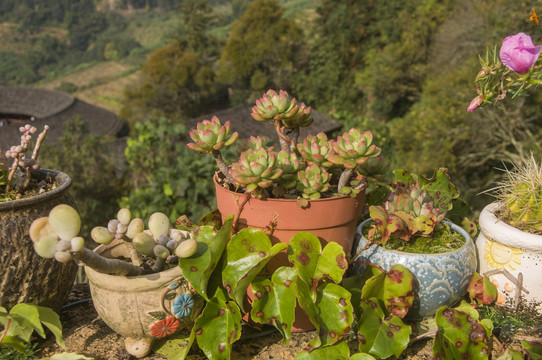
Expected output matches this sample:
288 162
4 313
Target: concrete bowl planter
511 258
141 308
440 279
27 277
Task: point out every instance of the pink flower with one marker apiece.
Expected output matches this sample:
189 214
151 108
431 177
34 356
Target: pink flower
518 52
477 101
165 327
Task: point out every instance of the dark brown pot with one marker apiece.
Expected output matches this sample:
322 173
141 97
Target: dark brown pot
331 219
25 276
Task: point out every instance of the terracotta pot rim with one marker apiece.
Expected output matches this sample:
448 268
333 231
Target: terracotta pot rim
63 179
458 229
332 198
130 283
493 228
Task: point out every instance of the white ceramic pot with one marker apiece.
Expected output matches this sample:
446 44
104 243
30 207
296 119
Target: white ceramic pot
507 255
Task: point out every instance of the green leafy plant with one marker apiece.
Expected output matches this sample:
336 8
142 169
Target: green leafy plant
17 163
23 320
312 168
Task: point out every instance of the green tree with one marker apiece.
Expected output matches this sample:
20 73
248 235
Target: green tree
261 51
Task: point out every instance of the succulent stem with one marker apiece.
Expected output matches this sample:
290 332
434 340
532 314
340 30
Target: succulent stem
3 161
159 264
134 255
285 141
107 266
222 166
345 176
35 154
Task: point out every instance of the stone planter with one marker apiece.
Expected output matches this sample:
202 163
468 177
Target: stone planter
25 276
511 258
132 305
440 279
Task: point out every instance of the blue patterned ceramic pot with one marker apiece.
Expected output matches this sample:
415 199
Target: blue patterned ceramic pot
441 279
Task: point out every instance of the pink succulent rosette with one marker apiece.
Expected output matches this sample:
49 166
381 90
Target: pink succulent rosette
518 52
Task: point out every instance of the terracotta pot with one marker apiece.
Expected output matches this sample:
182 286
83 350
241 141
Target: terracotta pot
508 255
25 276
131 305
440 279
331 219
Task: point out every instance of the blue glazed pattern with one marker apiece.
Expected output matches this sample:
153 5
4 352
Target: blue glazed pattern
441 279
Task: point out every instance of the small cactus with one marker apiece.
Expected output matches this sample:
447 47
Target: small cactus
353 148
280 107
256 170
313 181
520 194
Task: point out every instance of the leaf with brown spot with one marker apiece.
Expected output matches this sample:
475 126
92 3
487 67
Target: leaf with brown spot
339 351
198 268
383 336
218 330
277 303
395 288
244 260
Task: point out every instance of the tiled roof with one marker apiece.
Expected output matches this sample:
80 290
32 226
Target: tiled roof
52 108
245 125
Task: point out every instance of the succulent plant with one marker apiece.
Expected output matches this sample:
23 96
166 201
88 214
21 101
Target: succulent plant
57 236
264 173
211 136
313 180
414 207
284 112
16 163
520 194
256 170
316 149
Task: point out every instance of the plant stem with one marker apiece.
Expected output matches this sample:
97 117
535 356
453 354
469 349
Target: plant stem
343 180
107 266
5 330
134 255
159 264
35 154
284 140
222 166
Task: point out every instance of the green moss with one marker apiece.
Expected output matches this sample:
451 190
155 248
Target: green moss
444 239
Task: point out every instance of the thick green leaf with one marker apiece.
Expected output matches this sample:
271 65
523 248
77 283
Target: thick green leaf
247 253
176 346
459 336
338 351
395 288
198 268
335 313
14 342
274 301
303 253
361 356
379 335
510 354
354 285
533 348
304 298
27 317
51 320
306 254
218 327
332 263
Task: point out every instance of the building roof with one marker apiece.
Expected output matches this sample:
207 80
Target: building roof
40 107
246 126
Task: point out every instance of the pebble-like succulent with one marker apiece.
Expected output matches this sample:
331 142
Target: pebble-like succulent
313 181
256 170
353 148
280 107
211 135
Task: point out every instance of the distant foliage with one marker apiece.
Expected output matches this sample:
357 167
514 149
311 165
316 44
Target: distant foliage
261 51
165 175
97 185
